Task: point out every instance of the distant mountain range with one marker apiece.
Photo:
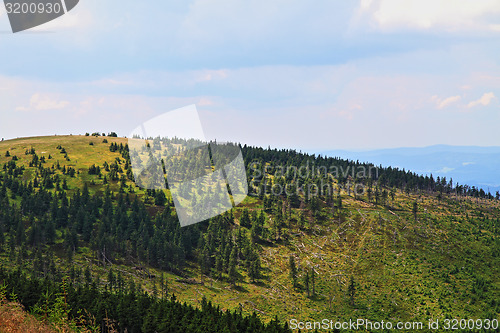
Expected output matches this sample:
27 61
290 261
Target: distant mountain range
471 165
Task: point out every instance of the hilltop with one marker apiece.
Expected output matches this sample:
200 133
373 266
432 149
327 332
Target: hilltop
387 245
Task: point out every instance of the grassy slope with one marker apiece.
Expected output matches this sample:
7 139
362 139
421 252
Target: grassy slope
14 319
404 269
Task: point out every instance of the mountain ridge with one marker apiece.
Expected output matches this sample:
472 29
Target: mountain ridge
404 240
472 165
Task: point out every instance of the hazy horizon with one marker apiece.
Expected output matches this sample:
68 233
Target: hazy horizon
309 151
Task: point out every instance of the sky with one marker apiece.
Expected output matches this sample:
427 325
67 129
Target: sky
309 75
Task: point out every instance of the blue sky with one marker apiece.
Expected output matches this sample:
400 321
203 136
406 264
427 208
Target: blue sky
311 75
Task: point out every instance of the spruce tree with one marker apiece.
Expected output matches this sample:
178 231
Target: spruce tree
306 282
351 290
245 219
232 271
293 271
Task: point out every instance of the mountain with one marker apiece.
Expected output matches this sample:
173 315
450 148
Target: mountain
471 165
390 246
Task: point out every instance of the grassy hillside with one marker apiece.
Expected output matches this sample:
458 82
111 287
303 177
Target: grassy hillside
79 150
417 256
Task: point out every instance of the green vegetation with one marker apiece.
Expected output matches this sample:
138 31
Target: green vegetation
383 244
82 306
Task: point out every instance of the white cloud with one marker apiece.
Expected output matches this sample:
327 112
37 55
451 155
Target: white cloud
449 15
376 98
484 100
494 27
442 103
43 102
445 170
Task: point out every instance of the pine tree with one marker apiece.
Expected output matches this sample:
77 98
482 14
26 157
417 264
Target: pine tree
245 219
293 271
393 194
351 290
255 268
301 220
306 282
369 193
232 271
205 260
111 279
252 262
88 276
384 197
313 282
20 234
254 233
155 289
163 286
2 238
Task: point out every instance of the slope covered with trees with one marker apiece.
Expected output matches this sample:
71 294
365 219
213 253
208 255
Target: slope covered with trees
316 238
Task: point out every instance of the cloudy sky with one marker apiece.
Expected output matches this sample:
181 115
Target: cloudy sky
304 74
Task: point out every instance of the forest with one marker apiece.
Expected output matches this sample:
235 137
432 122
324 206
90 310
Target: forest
76 230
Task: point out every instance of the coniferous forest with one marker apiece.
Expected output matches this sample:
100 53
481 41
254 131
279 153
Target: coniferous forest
335 239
